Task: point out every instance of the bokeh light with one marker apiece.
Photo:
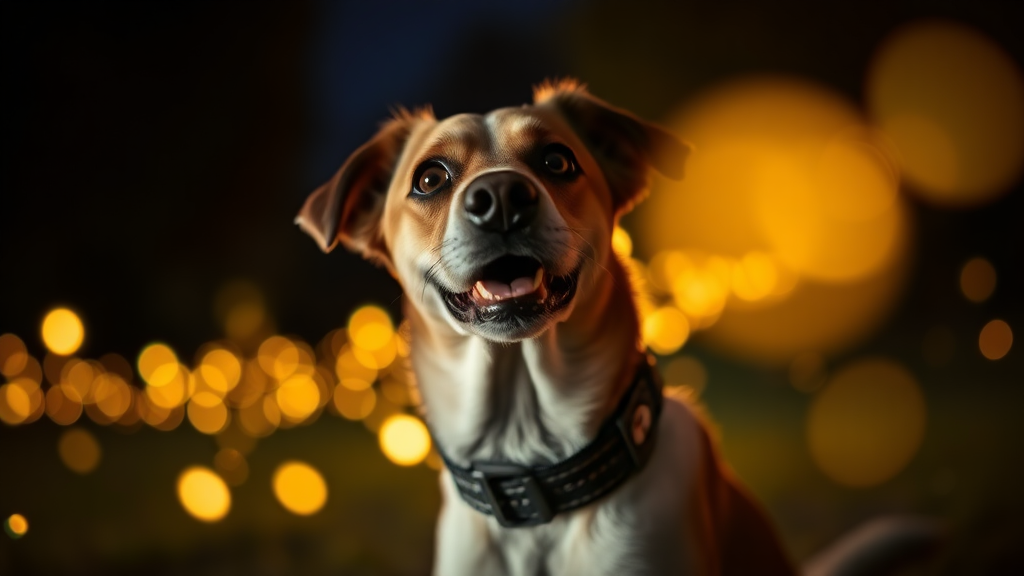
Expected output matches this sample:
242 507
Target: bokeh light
63 404
665 330
952 103
977 279
803 248
354 404
221 370
62 331
370 328
16 526
278 356
13 355
21 401
298 397
79 450
404 439
867 423
995 340
203 494
207 413
300 488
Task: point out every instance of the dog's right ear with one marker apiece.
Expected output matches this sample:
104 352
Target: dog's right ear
623 144
349 207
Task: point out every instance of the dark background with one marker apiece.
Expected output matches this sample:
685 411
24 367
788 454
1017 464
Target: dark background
153 152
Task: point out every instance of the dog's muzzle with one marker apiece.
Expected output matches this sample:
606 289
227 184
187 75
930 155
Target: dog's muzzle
513 293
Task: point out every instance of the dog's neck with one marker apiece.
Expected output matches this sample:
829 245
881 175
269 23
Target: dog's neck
535 401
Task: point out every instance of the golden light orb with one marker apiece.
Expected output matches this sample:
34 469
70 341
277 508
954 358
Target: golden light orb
867 423
63 331
298 397
404 439
665 330
13 355
79 450
300 488
203 494
16 526
370 328
278 356
221 370
207 413
952 103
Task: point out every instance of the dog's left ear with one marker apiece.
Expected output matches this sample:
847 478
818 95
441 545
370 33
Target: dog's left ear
349 207
624 145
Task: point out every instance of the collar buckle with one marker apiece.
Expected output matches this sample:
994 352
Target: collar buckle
513 493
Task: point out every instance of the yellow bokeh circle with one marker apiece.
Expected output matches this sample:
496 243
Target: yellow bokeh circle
79 450
404 439
63 331
952 103
867 423
204 494
300 488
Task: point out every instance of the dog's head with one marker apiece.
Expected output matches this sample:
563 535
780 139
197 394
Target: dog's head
493 222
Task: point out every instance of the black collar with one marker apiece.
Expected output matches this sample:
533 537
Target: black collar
526 496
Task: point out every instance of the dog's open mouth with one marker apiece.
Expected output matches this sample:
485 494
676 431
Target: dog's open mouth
512 289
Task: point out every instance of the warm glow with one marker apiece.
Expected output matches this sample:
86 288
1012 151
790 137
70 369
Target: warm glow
352 371
867 423
203 494
810 233
952 102
63 331
995 340
977 279
20 401
354 404
754 277
112 395
221 370
665 330
157 364
79 450
207 413
370 328
300 488
298 397
63 405
168 386
16 526
279 357
404 439
13 355
253 419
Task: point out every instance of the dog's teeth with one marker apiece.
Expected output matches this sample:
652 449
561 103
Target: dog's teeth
537 278
492 290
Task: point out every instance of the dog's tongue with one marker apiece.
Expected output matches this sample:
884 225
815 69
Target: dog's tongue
497 290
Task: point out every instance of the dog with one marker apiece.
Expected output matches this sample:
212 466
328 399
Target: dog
562 454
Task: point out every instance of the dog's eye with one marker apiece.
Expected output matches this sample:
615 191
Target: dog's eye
559 161
430 179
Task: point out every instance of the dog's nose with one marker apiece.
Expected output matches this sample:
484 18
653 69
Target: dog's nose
501 201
